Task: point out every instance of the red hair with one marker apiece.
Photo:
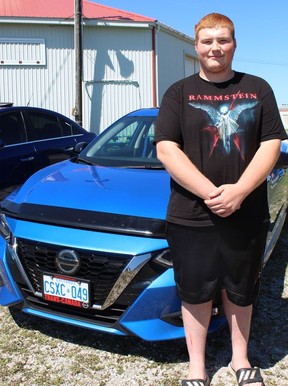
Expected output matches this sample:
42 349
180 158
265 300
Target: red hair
214 20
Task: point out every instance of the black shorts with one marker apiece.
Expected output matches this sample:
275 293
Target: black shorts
227 256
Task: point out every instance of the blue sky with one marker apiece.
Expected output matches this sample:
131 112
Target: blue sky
261 31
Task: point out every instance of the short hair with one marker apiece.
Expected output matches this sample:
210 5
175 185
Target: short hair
215 20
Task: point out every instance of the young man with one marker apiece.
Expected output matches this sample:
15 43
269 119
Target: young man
218 134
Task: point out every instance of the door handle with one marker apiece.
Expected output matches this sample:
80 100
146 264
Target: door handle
27 159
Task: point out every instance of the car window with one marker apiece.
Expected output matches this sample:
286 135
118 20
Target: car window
128 142
12 130
43 126
68 128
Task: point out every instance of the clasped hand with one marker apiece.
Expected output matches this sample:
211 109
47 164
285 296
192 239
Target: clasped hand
224 200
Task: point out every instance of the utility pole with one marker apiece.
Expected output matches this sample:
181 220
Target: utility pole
77 111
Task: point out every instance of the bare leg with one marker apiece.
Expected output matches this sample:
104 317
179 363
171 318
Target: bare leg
239 319
196 318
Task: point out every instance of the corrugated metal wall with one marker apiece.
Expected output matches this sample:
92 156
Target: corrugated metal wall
175 56
50 85
117 72
117 69
118 79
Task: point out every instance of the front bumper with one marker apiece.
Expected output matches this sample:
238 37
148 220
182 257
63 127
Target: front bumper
154 315
142 318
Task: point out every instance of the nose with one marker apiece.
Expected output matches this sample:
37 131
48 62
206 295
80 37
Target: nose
215 45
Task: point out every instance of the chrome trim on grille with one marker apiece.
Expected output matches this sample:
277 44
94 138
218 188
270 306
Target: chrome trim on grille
126 275
125 279
13 254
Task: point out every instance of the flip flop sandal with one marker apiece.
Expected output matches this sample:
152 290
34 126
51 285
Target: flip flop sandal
247 375
196 382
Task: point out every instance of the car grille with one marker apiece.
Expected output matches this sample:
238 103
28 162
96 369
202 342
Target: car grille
108 317
102 269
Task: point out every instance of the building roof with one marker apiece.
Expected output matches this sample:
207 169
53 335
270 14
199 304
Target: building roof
64 9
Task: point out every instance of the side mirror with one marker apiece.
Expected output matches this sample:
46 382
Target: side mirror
79 147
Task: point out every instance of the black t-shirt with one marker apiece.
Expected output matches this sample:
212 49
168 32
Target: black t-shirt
219 126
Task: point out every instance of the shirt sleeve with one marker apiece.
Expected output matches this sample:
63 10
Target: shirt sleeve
272 125
168 123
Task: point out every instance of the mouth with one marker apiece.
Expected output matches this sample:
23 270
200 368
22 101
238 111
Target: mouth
215 57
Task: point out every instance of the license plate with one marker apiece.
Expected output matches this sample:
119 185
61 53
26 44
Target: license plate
66 290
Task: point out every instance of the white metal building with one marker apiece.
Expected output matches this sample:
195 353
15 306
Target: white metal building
128 60
284 115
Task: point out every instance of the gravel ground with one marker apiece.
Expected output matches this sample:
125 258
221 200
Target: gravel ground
42 353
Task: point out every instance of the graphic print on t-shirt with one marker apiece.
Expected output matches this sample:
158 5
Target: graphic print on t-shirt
223 123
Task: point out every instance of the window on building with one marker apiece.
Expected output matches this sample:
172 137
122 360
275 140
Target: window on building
22 51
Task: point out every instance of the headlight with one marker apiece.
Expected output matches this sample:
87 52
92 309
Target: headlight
5 231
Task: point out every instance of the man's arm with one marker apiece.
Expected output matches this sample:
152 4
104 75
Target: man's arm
226 199
182 170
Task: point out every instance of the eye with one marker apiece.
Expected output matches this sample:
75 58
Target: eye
207 42
224 41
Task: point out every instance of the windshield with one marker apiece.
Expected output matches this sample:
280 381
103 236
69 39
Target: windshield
129 142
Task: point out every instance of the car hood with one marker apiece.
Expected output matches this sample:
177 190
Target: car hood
93 197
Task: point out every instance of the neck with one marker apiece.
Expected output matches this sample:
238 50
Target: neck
216 77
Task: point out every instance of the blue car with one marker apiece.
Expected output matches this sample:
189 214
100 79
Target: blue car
82 241
32 138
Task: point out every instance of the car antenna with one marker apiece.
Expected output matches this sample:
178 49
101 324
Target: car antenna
29 100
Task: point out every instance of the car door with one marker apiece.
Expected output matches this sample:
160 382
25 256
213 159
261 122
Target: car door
17 156
52 137
277 196
278 183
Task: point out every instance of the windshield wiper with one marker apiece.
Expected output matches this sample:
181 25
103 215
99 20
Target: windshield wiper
84 161
112 165
142 167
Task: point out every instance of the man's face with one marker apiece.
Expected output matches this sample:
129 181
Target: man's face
215 48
